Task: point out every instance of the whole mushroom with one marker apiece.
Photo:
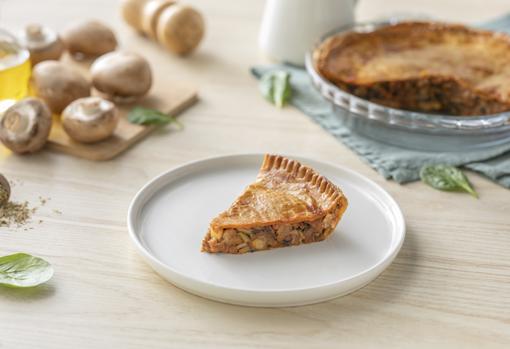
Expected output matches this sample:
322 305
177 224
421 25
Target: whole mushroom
150 15
5 190
177 27
90 119
58 84
131 12
89 39
180 28
122 76
42 42
25 126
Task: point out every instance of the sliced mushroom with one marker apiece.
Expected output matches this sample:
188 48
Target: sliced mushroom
58 84
5 190
89 39
42 42
122 76
180 28
90 119
25 127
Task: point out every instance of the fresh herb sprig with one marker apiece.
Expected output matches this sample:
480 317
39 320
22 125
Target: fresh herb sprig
446 178
276 88
24 270
146 116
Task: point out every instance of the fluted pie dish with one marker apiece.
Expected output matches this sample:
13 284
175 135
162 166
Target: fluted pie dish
423 85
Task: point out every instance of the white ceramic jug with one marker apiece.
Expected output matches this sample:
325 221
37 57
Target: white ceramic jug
291 27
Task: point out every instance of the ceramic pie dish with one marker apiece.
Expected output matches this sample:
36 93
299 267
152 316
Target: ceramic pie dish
358 88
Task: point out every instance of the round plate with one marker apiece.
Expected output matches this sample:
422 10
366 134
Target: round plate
170 215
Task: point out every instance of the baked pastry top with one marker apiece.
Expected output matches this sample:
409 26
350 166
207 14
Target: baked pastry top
288 204
422 66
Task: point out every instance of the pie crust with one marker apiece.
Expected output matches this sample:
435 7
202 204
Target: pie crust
288 204
422 66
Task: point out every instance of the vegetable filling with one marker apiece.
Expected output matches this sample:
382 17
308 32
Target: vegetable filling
230 240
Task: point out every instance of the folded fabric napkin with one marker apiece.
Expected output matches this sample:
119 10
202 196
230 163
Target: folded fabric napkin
399 164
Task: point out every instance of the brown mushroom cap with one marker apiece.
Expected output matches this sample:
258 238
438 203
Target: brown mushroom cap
122 75
5 190
90 119
180 28
25 126
58 84
150 15
42 42
89 39
132 13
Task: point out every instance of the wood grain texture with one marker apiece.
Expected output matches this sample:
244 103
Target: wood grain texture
172 100
448 288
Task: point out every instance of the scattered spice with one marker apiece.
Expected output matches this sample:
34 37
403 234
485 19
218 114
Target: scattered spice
15 213
43 200
16 182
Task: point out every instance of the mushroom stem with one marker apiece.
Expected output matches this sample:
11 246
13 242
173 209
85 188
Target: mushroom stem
91 106
42 42
90 119
34 32
20 123
25 126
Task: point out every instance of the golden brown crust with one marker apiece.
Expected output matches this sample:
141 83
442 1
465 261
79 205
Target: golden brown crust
331 194
286 195
285 192
423 66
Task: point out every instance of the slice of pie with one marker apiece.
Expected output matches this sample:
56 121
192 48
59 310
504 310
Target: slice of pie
288 204
422 66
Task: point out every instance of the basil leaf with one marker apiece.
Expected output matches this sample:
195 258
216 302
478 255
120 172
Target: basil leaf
146 116
447 178
276 88
24 270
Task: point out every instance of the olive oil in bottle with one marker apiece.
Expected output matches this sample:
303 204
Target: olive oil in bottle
15 68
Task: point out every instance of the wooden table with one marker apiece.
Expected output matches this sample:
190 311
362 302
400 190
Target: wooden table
448 287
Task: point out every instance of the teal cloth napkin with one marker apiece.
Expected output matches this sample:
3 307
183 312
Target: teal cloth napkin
399 164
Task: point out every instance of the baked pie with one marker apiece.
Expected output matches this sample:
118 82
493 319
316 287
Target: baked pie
422 66
288 204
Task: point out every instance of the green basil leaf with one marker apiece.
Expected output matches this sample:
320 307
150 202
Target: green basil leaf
146 116
266 87
24 270
276 88
447 178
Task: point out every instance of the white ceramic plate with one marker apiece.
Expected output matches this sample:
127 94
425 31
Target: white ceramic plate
169 216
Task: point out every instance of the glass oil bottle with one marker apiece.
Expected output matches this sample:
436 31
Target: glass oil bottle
15 69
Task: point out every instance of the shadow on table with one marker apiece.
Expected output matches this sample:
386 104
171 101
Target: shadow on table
376 303
27 294
379 295
395 280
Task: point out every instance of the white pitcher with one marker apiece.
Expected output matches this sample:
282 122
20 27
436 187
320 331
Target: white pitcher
291 27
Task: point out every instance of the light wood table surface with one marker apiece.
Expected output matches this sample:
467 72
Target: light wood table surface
448 287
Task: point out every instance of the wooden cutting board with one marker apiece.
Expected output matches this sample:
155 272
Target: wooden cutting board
172 101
